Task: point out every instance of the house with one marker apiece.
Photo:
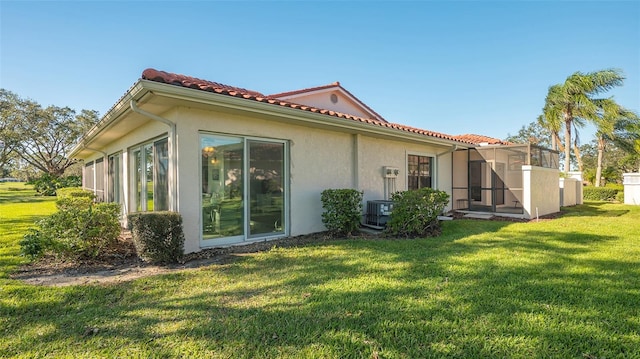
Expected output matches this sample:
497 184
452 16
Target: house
241 166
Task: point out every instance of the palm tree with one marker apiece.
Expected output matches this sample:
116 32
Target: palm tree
618 125
572 104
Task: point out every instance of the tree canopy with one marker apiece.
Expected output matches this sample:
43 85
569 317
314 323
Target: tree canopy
574 103
40 137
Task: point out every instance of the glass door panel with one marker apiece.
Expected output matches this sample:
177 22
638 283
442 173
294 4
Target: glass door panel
222 161
148 161
266 188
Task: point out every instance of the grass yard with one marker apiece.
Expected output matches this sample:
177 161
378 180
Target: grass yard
566 288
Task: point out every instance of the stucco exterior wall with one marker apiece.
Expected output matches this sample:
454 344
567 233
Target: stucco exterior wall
323 100
541 191
375 154
568 192
317 159
631 182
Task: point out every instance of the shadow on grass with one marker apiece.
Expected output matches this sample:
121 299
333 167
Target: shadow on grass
18 197
598 209
453 296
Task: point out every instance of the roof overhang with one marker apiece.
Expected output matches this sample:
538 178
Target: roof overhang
158 98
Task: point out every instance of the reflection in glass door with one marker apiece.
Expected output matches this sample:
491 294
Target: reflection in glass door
266 187
222 160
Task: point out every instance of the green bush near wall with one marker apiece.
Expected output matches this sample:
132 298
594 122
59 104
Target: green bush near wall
343 210
79 229
73 192
415 213
158 236
600 193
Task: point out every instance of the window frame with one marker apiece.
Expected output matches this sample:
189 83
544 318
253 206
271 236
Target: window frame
137 193
114 177
432 169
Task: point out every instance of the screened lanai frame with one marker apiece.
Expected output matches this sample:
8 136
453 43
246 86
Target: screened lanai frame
490 178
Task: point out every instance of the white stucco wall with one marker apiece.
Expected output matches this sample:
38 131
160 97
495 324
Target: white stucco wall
323 100
541 194
318 159
579 186
569 191
631 182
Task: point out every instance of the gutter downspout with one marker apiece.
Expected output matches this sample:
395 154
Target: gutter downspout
105 170
173 164
451 150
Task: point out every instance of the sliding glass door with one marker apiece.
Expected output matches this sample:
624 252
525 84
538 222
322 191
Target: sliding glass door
243 189
222 187
266 187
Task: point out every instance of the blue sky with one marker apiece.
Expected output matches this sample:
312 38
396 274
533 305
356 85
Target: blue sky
455 67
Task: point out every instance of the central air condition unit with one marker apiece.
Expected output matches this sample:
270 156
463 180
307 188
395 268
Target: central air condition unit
378 213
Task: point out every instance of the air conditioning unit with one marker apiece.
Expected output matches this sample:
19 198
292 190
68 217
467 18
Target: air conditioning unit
378 213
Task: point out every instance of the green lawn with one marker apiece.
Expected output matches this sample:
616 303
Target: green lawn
567 288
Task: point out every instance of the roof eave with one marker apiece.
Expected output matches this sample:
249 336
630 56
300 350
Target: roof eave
143 87
244 104
110 118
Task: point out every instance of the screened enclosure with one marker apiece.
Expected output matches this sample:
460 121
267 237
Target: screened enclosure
490 178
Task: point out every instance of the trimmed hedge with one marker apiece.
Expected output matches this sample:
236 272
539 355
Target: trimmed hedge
74 192
343 210
415 213
600 193
158 236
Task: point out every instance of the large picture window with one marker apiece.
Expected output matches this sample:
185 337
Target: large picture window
151 183
419 171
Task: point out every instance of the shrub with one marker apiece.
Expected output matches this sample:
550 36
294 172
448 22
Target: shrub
617 186
600 193
343 210
415 213
74 192
79 229
158 236
47 184
620 196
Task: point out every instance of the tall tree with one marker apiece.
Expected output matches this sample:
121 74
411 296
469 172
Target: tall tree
532 133
44 135
571 104
614 124
10 107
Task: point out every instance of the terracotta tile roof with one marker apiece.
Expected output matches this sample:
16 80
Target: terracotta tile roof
195 83
332 85
477 139
310 89
204 85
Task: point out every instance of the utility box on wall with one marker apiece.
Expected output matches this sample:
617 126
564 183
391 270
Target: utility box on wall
390 172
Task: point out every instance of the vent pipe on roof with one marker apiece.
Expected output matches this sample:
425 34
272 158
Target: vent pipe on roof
173 165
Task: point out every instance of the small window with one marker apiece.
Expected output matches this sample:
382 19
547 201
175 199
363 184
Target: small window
419 171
